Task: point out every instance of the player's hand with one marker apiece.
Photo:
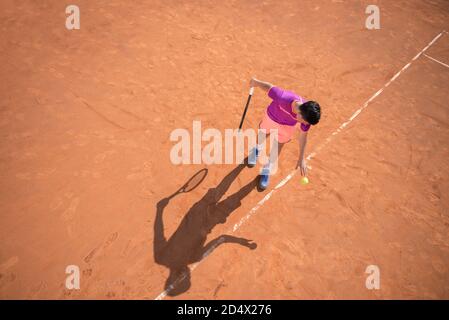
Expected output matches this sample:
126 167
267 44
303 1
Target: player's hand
250 244
252 82
302 166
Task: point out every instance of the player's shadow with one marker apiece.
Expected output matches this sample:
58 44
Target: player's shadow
188 245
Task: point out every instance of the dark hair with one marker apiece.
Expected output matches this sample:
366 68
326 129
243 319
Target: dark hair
311 112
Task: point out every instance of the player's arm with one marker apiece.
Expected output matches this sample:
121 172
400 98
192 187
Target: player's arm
266 86
302 148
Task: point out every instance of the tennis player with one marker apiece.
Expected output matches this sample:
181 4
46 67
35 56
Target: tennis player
287 113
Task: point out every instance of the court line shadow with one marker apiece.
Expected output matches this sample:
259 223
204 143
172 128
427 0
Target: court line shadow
187 244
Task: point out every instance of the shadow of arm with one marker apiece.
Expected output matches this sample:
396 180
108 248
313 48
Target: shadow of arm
159 242
213 244
224 185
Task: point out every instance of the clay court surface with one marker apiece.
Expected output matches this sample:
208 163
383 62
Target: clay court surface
85 122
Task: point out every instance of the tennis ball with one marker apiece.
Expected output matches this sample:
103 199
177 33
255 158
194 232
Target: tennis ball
304 180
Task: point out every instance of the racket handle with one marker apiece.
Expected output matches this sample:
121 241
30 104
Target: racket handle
251 91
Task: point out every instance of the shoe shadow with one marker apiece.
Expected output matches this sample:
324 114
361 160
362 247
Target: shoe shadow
188 245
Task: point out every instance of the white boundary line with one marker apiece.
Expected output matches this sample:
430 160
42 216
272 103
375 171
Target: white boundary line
443 64
288 177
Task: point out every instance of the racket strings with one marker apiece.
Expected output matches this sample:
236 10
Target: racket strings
195 180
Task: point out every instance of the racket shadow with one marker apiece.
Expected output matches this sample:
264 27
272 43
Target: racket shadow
188 244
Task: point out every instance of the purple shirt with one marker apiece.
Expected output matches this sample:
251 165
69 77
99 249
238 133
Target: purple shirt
280 109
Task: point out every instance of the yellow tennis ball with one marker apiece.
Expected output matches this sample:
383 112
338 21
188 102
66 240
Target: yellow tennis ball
304 180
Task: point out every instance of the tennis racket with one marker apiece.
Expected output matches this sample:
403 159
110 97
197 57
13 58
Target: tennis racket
251 91
192 183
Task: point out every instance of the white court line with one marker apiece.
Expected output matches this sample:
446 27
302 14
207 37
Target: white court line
288 177
447 66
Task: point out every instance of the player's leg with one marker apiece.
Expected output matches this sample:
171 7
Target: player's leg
255 151
265 126
285 134
268 167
